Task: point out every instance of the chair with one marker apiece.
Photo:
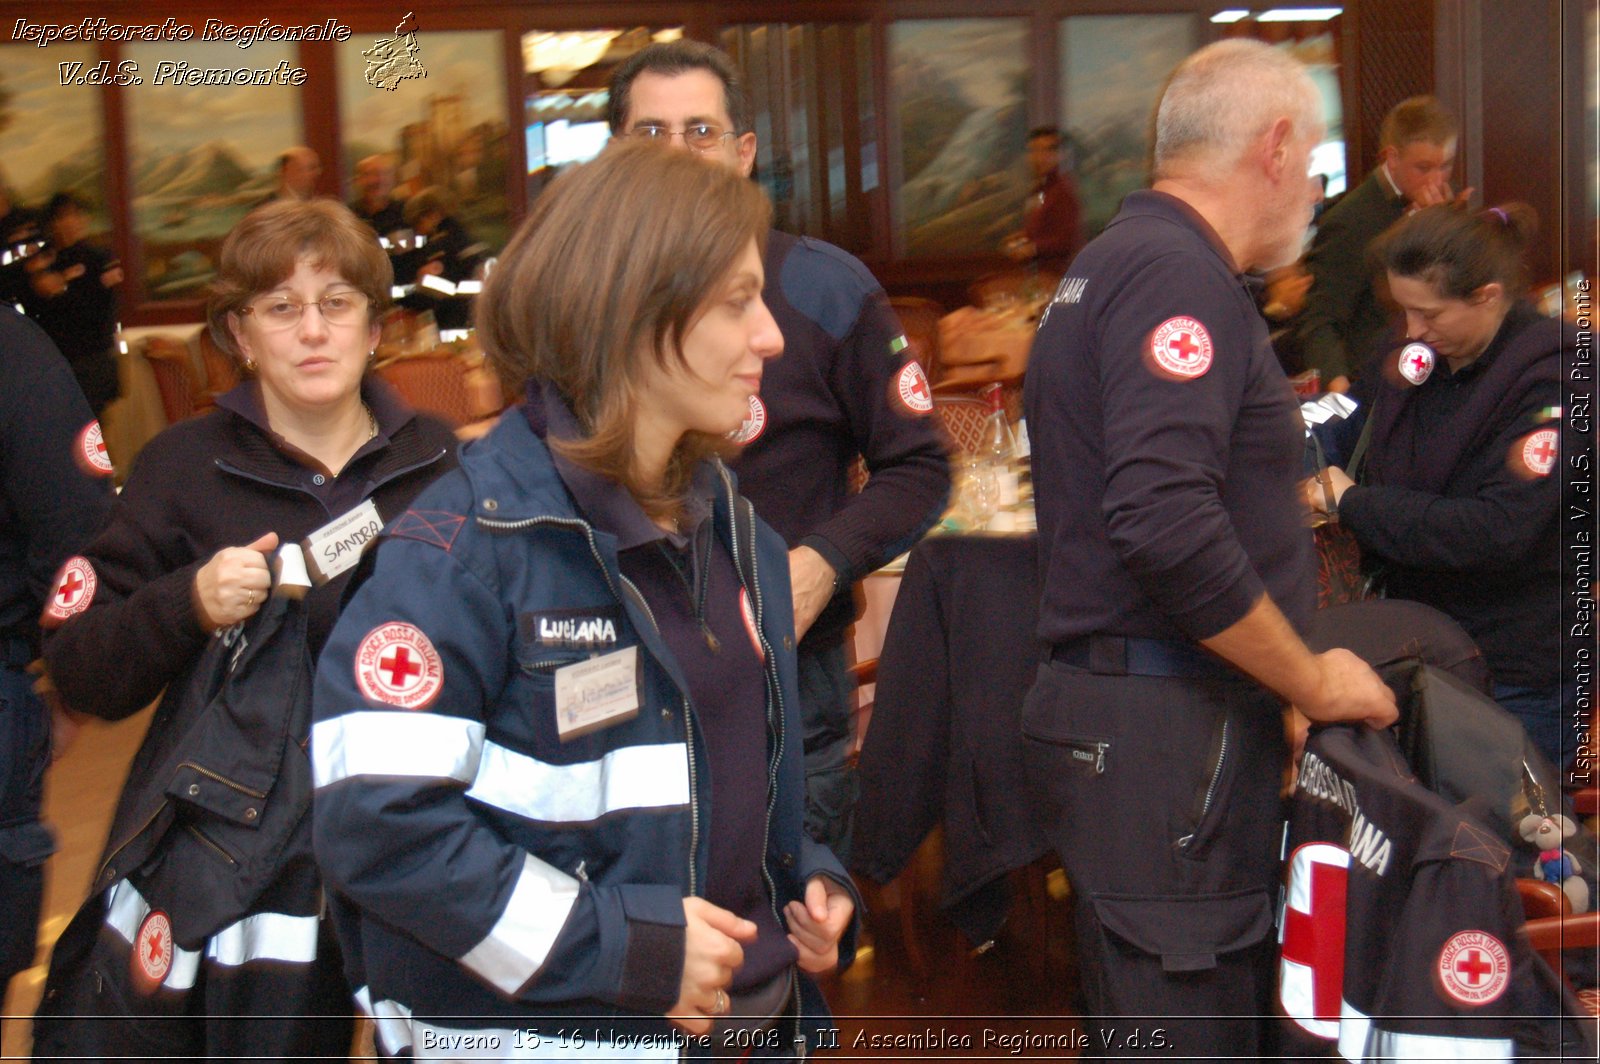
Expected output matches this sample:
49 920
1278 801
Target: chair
436 384
1550 936
222 372
169 363
961 418
920 319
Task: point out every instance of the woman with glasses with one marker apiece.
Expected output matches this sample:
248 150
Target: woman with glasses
310 448
557 744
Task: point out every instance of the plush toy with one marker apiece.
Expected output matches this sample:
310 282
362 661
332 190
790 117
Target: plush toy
1555 865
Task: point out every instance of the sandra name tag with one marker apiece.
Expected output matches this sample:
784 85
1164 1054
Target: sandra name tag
338 545
597 693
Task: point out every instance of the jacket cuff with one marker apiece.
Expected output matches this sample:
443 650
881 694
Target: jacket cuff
843 575
652 961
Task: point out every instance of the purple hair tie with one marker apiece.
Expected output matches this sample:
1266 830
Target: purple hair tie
1500 214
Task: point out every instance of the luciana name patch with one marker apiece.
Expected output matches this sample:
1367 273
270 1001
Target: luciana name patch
584 628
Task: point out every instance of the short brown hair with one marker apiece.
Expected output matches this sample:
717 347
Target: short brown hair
1418 118
614 264
430 200
670 59
260 252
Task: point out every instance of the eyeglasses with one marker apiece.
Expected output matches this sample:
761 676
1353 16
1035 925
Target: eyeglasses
341 308
701 136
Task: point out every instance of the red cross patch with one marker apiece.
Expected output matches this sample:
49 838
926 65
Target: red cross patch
396 665
1474 968
753 426
749 614
912 388
1181 348
74 590
89 450
1416 362
152 952
1539 452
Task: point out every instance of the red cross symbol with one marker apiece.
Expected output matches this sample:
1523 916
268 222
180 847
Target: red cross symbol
919 386
1474 966
1316 938
154 947
1545 452
1419 363
1183 346
67 594
400 667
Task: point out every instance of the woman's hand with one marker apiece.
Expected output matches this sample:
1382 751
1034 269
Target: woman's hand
233 584
711 954
1317 491
816 924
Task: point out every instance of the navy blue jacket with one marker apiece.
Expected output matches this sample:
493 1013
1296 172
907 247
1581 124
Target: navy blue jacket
500 873
1166 442
835 394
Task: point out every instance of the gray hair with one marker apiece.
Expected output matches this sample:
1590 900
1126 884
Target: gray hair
1225 95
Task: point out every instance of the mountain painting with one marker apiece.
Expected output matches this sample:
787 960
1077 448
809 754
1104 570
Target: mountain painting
52 136
201 156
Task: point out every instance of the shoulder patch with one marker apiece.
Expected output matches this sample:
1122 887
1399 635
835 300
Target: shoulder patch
396 665
1474 968
152 952
754 424
1416 362
1539 451
74 590
437 528
912 390
1180 349
89 451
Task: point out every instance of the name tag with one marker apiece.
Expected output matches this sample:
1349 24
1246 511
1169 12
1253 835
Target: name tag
338 545
597 693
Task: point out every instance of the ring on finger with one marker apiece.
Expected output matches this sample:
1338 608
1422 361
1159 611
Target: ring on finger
250 597
720 1005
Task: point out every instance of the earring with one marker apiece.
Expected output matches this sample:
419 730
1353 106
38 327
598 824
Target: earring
249 364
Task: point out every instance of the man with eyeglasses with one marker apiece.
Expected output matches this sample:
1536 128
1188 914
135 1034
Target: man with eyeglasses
846 385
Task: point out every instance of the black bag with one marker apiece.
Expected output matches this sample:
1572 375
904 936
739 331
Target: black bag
225 807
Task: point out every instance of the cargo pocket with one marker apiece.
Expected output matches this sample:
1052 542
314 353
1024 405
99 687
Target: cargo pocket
1187 933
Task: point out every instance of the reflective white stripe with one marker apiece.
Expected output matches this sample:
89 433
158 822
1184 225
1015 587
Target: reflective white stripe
391 1022
125 911
1360 1040
395 743
633 777
521 939
1295 989
261 937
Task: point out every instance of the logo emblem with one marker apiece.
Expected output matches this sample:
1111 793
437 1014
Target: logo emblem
753 426
1474 968
911 385
747 612
152 952
391 60
1416 362
74 591
1181 348
396 665
1539 452
90 451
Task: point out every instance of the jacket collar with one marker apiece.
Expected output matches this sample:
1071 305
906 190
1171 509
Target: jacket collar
1150 203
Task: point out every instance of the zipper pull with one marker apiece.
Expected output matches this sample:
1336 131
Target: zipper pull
711 640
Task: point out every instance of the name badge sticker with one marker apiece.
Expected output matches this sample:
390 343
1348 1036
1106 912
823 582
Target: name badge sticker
597 693
339 544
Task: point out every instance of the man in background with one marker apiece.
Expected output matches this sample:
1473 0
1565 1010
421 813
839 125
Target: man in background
846 385
1175 571
375 203
1344 313
298 171
1052 218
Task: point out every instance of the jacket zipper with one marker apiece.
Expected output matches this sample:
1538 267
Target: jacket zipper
228 467
225 781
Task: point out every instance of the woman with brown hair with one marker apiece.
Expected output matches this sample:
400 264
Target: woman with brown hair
1459 498
556 746
308 449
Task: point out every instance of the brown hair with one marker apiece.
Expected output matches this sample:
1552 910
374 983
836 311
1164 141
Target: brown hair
614 264
260 252
669 59
427 201
1459 251
1418 118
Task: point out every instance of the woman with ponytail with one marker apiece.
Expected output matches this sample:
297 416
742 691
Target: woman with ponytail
1459 497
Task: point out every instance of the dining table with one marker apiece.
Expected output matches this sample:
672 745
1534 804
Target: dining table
944 744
